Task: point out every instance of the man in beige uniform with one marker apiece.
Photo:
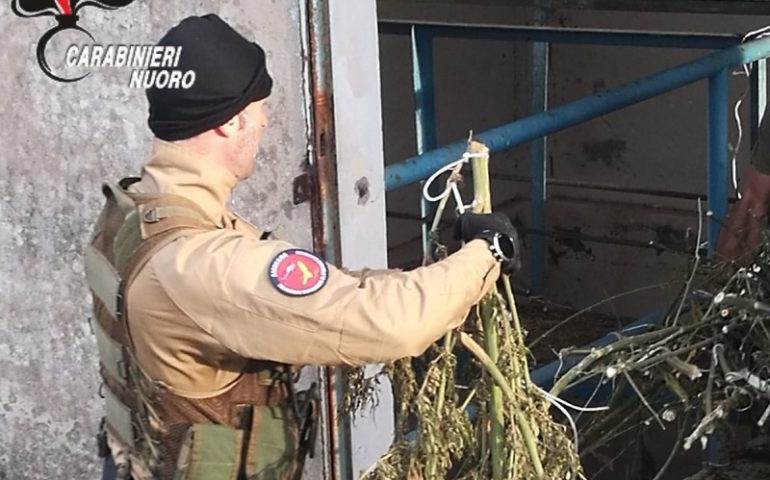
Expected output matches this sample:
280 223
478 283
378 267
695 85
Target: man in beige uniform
198 314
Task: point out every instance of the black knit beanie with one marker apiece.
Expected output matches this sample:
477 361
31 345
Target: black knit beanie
230 73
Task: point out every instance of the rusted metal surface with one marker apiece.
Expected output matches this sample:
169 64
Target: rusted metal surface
322 183
323 163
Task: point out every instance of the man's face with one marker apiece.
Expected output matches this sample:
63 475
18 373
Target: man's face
254 121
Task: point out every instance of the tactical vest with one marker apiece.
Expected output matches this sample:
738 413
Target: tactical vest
248 432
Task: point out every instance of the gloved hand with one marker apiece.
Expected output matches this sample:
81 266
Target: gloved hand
498 231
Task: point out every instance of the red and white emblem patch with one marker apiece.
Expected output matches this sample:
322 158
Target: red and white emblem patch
298 272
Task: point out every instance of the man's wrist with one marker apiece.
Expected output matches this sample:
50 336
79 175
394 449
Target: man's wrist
499 244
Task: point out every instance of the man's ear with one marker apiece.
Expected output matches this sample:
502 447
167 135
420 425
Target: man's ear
231 127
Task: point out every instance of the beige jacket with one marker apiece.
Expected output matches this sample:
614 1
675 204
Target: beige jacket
205 303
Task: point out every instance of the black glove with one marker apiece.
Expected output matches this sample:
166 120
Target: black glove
499 233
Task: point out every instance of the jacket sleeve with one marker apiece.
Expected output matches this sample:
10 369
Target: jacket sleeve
221 281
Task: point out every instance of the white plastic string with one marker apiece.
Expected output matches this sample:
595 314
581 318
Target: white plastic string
556 399
734 160
560 405
566 414
459 199
451 186
426 187
756 34
753 35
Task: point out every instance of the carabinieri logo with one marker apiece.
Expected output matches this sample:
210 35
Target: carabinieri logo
65 12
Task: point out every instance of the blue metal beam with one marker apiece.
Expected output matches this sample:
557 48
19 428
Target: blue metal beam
538 164
717 154
545 375
565 35
424 114
535 126
424 97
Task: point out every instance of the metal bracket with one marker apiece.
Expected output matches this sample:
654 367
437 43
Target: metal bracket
302 188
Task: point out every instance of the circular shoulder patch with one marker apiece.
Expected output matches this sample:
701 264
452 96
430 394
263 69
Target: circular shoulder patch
298 272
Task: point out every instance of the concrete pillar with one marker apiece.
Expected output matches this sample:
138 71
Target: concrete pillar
358 125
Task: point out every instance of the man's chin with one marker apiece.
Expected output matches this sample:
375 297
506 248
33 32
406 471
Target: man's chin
250 171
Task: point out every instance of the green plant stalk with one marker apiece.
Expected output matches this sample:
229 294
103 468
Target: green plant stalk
600 352
672 354
497 416
521 422
448 338
708 401
448 343
512 347
517 326
673 384
483 204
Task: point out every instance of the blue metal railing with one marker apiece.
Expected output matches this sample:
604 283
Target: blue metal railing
544 121
562 35
714 66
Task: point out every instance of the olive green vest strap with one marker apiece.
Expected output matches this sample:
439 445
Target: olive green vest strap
119 419
151 220
103 279
156 214
111 355
128 238
142 253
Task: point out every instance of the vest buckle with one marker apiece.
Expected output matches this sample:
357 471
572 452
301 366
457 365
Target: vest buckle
151 216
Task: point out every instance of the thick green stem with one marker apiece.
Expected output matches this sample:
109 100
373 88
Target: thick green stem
448 338
482 203
517 326
496 413
448 343
521 422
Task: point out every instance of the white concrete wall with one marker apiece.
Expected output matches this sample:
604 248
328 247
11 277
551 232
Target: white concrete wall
58 143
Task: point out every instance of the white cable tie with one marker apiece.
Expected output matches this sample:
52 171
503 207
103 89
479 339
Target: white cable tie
451 185
460 209
468 155
734 160
458 197
432 178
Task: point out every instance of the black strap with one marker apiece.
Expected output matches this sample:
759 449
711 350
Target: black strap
306 404
246 419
